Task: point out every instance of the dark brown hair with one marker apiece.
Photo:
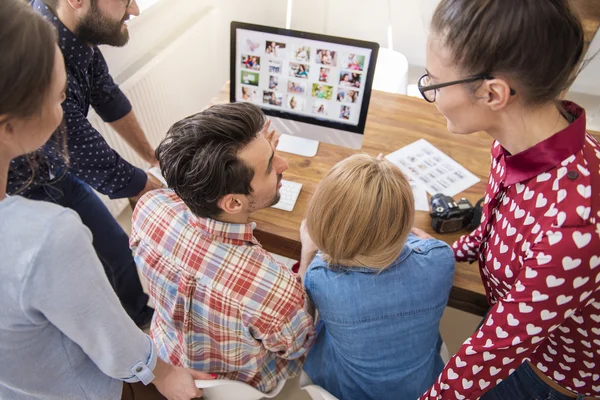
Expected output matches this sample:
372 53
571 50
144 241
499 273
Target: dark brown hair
199 157
537 44
28 51
27 48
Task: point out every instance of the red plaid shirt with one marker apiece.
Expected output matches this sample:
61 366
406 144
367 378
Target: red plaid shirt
223 304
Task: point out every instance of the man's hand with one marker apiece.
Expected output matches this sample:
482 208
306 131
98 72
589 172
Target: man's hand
151 184
151 159
271 134
176 383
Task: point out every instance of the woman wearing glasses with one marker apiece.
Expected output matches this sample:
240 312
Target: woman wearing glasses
501 67
63 332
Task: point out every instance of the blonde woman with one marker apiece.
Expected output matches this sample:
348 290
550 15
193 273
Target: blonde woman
380 290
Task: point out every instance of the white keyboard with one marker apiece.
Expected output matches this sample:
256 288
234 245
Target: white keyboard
289 194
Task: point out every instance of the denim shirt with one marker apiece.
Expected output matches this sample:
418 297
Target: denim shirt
378 332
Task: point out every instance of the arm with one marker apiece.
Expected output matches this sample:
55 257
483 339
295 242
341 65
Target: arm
467 247
93 160
67 284
305 260
113 107
309 250
523 319
292 337
130 130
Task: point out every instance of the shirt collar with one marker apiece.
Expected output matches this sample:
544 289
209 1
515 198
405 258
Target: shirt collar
406 250
547 154
73 49
237 232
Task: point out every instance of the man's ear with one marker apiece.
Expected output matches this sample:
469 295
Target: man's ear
75 4
232 203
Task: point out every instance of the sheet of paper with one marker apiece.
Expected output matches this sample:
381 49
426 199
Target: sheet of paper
427 166
420 195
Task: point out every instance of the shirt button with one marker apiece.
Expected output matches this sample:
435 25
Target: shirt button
139 369
572 175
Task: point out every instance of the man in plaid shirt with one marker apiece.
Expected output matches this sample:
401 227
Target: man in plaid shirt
223 304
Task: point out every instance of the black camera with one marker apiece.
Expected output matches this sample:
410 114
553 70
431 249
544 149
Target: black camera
449 216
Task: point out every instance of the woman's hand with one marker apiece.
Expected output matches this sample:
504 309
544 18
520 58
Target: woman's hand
421 234
176 383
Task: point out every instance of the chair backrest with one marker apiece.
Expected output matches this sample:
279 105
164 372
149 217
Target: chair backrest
318 393
391 73
224 389
315 392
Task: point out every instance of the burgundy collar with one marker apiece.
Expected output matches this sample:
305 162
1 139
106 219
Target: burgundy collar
547 154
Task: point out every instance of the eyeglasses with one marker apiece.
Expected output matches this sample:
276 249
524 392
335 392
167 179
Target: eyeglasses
429 91
128 4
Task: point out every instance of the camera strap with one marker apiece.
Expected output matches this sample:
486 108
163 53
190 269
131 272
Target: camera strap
477 212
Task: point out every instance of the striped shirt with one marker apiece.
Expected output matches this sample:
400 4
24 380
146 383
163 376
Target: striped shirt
223 304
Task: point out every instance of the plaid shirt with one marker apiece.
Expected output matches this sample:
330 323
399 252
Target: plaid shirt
223 304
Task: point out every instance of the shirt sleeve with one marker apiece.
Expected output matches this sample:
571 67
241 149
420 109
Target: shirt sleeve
467 247
67 285
93 160
108 100
291 335
545 294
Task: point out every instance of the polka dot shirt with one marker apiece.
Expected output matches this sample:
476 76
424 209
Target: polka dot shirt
91 159
538 249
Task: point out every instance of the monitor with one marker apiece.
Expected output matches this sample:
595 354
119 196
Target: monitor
311 85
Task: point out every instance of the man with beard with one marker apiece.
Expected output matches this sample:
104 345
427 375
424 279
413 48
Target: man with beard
82 25
224 305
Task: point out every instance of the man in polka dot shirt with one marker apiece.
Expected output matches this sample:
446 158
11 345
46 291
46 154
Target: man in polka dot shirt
82 25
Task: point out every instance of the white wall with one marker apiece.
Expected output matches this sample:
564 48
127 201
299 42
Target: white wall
588 80
369 20
362 19
153 27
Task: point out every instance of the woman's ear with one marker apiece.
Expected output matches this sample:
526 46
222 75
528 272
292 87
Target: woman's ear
7 128
497 93
8 131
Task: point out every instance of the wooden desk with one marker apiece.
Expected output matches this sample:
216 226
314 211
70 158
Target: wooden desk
394 121
589 12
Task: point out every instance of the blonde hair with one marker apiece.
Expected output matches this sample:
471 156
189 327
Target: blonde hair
361 213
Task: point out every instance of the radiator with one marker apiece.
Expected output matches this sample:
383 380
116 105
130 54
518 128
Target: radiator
170 82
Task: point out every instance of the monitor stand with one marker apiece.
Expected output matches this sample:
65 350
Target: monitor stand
297 145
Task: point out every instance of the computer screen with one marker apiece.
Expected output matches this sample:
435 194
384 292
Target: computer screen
306 77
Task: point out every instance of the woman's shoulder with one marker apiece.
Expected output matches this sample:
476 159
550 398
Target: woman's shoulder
33 223
429 247
425 252
38 228
18 212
